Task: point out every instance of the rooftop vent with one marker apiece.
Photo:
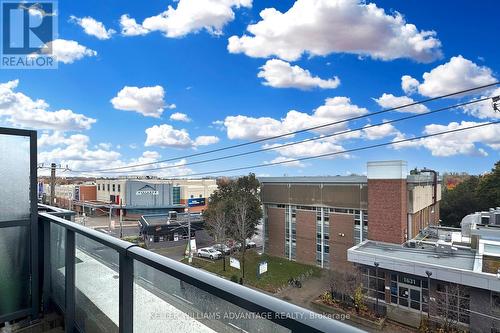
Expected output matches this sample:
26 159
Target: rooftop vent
445 247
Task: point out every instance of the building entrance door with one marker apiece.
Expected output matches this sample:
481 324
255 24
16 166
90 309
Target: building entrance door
409 296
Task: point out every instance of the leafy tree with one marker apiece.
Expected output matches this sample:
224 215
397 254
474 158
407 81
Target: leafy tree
476 193
234 210
217 217
247 211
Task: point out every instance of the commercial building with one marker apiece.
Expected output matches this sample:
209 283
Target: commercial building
69 195
449 274
145 195
315 220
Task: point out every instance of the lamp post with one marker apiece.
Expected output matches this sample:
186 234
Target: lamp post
376 285
190 256
429 273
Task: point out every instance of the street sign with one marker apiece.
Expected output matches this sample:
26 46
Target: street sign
262 267
233 262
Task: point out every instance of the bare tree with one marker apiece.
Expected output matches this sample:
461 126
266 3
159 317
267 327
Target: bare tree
449 302
216 217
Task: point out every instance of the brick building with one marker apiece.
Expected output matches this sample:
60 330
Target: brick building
315 220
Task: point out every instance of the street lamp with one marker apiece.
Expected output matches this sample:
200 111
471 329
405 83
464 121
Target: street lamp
376 285
429 273
190 255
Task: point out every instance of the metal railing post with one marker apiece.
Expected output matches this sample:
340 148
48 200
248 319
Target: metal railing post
69 315
126 294
46 291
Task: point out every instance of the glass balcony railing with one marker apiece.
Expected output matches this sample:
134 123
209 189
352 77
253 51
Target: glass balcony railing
104 284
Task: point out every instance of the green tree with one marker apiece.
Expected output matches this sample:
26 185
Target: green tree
247 211
217 217
488 189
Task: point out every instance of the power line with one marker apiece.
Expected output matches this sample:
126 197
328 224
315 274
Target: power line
303 141
340 152
298 131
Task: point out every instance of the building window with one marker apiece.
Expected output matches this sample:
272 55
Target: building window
495 302
201 195
290 230
108 187
453 302
322 247
176 195
118 187
373 284
360 232
98 187
113 187
192 196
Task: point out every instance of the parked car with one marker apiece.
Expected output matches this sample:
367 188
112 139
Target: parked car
222 248
249 244
208 252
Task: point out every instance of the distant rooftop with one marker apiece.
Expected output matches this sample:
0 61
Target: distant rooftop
315 179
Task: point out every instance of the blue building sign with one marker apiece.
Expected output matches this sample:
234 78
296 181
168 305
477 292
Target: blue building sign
194 202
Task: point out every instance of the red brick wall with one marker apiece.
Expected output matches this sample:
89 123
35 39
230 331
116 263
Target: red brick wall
387 209
306 236
89 193
276 225
341 239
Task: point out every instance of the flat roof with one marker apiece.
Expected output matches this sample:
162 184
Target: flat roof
461 259
463 266
315 179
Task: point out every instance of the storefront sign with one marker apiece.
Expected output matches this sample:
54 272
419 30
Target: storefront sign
196 202
147 190
409 280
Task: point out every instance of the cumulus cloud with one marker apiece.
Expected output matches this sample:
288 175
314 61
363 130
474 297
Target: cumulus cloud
68 51
168 136
280 74
21 110
389 101
130 27
458 143
455 75
74 151
322 27
205 140
188 17
334 109
148 101
379 132
92 27
484 109
286 161
178 116
409 84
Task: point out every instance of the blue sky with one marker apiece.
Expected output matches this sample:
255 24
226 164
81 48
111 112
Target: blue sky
182 58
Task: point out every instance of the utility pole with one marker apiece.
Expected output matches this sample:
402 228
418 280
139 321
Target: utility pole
52 183
190 254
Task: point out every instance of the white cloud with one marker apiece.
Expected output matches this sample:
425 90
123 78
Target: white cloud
455 75
178 116
68 51
334 109
93 27
190 16
21 110
484 109
286 161
389 101
321 27
205 140
379 132
148 101
409 84
167 136
457 143
280 74
78 156
130 27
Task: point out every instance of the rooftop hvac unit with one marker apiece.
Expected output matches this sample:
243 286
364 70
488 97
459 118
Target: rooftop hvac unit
445 247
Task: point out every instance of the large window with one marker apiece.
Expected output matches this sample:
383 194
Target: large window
453 302
373 283
322 243
290 232
360 232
